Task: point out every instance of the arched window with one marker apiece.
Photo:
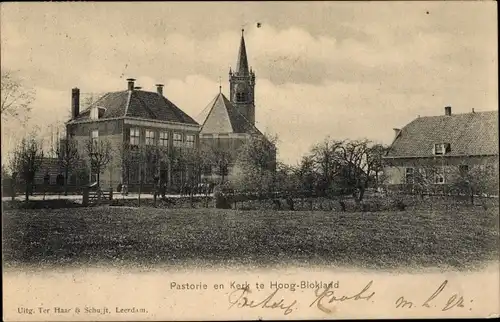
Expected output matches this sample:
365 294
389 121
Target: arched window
241 97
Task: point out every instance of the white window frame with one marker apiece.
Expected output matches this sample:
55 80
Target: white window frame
150 137
441 148
178 139
135 136
94 135
439 176
190 143
163 139
409 171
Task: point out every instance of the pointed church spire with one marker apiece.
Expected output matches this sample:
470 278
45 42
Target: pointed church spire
242 64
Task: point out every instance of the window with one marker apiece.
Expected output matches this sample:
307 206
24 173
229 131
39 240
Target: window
134 136
463 169
177 139
439 176
163 139
441 148
207 170
95 136
409 175
190 141
241 97
150 137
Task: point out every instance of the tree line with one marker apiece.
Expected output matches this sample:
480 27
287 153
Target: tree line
330 167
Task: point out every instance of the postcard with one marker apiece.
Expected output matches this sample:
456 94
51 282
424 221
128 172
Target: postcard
249 160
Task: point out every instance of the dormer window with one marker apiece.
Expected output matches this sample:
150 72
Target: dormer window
101 111
442 148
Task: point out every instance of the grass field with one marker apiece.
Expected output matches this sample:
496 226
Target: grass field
144 237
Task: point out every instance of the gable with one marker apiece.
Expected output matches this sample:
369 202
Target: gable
223 117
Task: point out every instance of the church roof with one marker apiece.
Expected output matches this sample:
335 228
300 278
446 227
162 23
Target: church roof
242 63
223 117
468 134
138 103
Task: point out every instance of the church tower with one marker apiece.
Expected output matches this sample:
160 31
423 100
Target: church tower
242 85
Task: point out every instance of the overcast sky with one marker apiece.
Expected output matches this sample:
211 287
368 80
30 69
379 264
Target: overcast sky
347 70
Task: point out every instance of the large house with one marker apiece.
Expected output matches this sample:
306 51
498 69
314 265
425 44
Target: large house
137 124
435 151
230 123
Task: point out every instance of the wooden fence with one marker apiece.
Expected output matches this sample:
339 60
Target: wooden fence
96 197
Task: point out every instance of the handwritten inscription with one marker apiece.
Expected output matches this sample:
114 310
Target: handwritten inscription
240 298
329 296
325 299
437 299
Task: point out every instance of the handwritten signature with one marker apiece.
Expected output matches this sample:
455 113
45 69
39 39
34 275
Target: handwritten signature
240 298
329 296
324 296
435 300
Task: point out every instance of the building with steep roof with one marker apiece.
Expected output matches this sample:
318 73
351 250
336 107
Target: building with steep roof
438 149
231 122
145 130
149 134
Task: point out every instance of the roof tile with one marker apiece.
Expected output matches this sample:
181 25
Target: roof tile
143 104
468 134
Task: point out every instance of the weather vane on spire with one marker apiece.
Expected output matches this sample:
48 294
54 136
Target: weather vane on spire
220 84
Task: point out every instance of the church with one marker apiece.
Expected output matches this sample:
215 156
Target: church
150 135
230 123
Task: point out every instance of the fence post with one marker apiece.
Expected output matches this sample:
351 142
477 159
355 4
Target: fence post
85 197
111 194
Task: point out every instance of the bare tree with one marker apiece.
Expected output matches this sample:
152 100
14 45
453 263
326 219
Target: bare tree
126 164
475 180
67 158
325 162
360 159
306 174
375 159
222 159
99 155
27 159
16 99
90 99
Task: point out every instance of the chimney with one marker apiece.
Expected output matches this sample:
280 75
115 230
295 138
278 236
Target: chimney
137 87
75 102
159 88
473 111
447 110
396 132
130 82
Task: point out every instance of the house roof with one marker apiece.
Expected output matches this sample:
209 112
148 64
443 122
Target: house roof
468 134
223 117
138 103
